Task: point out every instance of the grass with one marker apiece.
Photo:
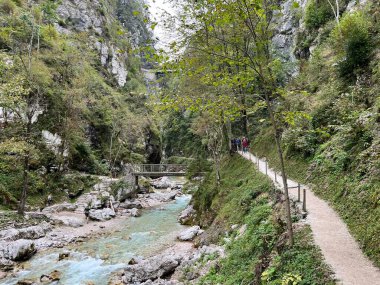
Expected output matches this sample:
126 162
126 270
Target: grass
260 255
296 166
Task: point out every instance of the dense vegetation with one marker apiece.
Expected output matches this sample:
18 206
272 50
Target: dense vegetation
335 144
54 83
326 116
320 124
248 197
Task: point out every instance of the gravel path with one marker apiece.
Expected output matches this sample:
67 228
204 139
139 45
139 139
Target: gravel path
331 234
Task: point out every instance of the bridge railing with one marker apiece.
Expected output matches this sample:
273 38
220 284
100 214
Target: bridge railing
159 168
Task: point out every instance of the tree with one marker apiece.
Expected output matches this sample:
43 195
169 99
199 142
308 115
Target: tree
21 91
211 129
336 10
235 36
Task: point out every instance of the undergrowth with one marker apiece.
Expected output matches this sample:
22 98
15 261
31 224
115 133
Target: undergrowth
260 255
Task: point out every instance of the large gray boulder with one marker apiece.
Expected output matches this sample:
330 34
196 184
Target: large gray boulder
101 215
189 234
163 197
19 250
33 232
130 205
162 183
60 208
126 192
198 267
135 212
73 222
151 269
187 216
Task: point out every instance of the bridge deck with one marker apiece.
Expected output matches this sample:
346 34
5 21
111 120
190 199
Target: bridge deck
157 170
158 174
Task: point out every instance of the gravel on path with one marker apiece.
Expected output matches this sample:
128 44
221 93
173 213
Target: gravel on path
340 249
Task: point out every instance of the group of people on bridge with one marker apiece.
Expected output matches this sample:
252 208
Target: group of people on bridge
239 144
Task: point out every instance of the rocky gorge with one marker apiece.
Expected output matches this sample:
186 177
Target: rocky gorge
117 234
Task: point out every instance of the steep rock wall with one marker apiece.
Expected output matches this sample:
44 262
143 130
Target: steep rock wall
290 26
95 17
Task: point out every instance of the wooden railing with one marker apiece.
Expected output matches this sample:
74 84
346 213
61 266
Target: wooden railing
159 168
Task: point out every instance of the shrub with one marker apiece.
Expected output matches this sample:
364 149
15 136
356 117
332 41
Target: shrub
7 7
198 166
317 14
83 159
352 43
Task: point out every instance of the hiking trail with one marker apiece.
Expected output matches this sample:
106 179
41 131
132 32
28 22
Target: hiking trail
330 233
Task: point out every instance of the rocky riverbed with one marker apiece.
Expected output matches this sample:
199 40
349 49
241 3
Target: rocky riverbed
135 234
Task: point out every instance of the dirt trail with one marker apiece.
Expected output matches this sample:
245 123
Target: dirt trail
331 234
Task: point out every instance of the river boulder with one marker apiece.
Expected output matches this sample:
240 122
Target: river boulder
162 183
33 232
18 250
51 277
73 222
151 268
189 234
187 216
60 208
124 193
135 212
6 264
101 214
163 197
130 205
26 282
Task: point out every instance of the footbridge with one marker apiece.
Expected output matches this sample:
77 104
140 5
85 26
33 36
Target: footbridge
157 170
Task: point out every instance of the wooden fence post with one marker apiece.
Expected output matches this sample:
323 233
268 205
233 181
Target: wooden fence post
275 176
258 161
299 193
136 181
266 167
304 200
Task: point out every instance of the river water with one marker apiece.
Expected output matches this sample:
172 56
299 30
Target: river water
93 261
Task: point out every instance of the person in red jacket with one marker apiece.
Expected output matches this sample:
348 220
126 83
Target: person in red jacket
245 144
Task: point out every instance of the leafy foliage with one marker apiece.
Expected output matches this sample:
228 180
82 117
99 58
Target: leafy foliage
244 197
317 14
337 148
353 43
54 83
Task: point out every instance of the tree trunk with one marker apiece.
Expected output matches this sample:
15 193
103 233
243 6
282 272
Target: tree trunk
283 173
245 122
229 134
25 187
217 173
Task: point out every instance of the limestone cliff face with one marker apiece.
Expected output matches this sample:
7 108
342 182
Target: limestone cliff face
95 17
288 21
289 24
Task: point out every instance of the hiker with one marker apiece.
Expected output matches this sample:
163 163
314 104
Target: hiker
238 144
49 200
233 146
87 212
245 144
